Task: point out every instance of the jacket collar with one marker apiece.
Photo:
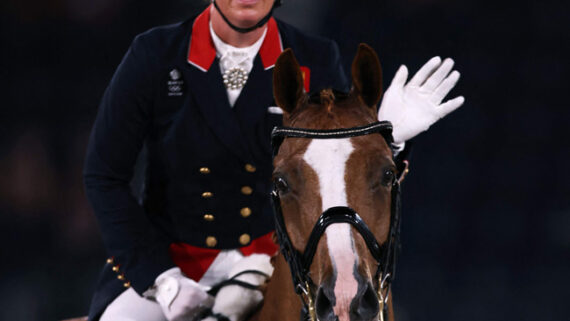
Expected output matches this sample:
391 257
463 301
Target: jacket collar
201 53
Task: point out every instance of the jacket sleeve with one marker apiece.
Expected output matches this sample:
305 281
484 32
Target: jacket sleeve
123 118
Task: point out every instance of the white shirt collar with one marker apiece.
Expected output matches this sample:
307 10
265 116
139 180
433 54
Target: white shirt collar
231 56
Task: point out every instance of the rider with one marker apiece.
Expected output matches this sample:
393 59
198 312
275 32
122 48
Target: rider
198 96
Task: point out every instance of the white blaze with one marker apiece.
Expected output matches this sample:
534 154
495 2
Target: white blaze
328 159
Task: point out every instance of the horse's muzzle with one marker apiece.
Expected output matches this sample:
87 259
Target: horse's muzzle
363 307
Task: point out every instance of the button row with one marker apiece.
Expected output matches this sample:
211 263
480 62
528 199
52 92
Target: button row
244 212
117 269
248 168
245 190
244 239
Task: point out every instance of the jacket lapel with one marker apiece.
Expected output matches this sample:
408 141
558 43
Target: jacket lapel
254 99
211 97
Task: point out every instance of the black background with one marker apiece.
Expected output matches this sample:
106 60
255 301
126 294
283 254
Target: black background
486 230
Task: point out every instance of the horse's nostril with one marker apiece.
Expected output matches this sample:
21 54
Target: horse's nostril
365 305
324 304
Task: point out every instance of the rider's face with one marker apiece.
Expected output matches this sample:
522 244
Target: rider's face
245 13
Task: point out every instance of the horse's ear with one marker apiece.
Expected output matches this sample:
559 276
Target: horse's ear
287 81
367 75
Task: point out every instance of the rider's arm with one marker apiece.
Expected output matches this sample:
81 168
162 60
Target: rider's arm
138 251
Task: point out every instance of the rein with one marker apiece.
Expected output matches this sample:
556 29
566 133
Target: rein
231 281
384 254
234 281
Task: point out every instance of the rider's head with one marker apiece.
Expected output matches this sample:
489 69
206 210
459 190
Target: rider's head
245 15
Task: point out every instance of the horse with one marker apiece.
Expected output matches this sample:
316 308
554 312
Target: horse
336 199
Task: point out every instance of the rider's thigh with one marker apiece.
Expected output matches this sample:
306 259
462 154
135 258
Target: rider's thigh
129 306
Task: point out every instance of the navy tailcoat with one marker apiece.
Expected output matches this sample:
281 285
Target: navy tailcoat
204 157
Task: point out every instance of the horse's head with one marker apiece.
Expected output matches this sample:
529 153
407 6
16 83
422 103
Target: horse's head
313 175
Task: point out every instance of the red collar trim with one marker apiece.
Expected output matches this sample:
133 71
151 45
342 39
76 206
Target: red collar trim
202 52
272 45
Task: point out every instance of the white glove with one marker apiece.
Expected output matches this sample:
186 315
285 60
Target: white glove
179 297
236 302
413 107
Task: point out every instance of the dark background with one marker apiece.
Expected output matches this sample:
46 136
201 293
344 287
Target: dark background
486 230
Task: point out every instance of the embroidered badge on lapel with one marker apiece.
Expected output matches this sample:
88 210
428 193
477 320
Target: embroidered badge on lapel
175 83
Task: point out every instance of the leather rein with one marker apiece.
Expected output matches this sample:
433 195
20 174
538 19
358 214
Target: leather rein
384 254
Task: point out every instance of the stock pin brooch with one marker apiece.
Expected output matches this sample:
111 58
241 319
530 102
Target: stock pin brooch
235 78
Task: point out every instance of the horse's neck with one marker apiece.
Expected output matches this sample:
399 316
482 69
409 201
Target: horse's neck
280 301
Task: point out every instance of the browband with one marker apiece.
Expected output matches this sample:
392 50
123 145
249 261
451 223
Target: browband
279 133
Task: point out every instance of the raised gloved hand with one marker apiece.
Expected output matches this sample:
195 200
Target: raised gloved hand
413 107
179 297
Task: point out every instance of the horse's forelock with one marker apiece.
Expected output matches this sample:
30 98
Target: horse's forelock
327 99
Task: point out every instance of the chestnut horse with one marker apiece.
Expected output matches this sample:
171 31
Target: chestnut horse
330 164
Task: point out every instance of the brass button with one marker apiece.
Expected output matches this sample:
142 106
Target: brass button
127 284
211 241
250 168
110 260
204 170
116 268
246 190
245 212
207 194
208 217
121 277
244 239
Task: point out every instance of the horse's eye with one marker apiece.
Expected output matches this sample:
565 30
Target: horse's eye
281 185
388 177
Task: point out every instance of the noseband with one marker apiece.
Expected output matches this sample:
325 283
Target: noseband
300 263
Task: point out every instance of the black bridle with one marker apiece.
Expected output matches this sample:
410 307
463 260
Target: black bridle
384 254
